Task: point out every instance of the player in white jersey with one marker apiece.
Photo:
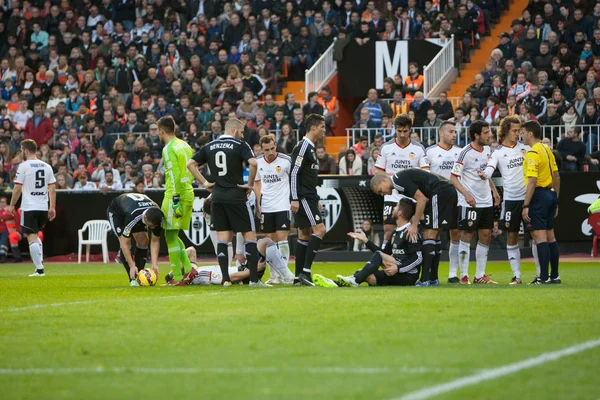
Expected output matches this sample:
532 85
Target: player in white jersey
441 158
475 201
508 159
272 188
35 180
395 155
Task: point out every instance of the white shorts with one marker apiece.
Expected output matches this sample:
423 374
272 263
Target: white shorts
210 275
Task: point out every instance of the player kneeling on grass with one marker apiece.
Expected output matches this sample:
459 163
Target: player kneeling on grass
132 215
211 274
401 260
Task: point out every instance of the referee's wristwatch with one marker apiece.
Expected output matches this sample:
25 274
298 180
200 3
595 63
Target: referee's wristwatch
526 206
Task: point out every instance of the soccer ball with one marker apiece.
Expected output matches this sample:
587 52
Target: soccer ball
147 277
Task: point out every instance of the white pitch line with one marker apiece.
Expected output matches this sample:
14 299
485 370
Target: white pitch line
222 370
75 303
498 372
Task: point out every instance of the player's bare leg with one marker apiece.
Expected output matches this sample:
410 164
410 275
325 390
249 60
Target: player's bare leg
35 250
514 256
453 255
481 256
464 254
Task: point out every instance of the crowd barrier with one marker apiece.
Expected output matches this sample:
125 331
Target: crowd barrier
347 201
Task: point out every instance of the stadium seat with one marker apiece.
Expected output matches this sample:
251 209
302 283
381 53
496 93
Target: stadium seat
97 232
594 221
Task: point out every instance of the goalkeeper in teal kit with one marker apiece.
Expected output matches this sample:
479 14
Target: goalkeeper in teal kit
178 200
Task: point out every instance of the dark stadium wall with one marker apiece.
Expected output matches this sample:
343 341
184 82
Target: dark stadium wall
346 202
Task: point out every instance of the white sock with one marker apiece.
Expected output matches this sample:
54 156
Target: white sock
481 255
213 239
41 249
453 254
35 251
464 253
514 258
229 254
535 257
273 274
284 249
276 260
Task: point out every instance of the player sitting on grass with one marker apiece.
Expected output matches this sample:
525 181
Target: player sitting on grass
211 274
401 261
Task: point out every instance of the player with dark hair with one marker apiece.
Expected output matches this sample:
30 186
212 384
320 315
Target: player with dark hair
541 201
475 201
400 261
230 210
508 159
395 155
304 198
435 199
441 158
178 200
35 180
133 215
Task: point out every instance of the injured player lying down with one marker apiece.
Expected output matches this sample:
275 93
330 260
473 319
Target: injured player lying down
400 261
268 252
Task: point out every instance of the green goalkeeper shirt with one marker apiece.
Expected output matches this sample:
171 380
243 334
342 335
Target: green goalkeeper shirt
178 179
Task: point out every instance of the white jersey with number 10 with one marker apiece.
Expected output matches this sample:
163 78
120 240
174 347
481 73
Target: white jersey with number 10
35 176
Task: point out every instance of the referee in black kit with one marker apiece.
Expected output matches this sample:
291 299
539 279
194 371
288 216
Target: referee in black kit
305 200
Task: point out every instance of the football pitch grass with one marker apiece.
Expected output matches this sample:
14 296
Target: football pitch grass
82 333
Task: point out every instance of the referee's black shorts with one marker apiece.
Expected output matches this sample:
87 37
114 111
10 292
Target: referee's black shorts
542 210
232 217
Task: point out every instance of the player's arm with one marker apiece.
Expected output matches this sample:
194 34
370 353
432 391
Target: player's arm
531 172
194 164
412 232
361 237
424 161
492 165
52 197
297 161
125 243
15 197
495 193
454 179
258 193
555 175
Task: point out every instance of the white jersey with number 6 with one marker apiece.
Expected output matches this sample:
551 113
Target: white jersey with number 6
275 183
466 168
394 158
509 161
35 176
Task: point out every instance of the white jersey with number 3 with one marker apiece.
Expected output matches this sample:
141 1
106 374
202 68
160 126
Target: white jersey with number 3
35 176
441 160
466 168
275 183
394 158
509 161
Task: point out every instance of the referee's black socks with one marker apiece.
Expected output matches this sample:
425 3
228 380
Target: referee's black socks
543 250
554 258
222 256
369 269
428 256
314 244
252 260
301 247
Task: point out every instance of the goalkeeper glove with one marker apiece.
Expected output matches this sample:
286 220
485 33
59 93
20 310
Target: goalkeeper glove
177 210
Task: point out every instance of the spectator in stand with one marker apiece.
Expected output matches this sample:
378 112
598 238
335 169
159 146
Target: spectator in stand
572 150
313 106
480 91
398 105
39 127
570 117
465 30
491 111
551 118
82 183
376 107
287 138
536 102
259 121
432 122
326 162
289 106
420 106
330 105
590 132
580 101
110 184
253 82
520 89
413 83
350 164
297 123
443 108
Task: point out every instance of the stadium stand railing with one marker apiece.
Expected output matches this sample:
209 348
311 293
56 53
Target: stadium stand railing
321 72
441 65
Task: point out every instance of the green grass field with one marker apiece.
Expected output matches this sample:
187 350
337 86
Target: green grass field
81 333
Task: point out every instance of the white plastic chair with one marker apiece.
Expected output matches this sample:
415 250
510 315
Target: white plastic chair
97 233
